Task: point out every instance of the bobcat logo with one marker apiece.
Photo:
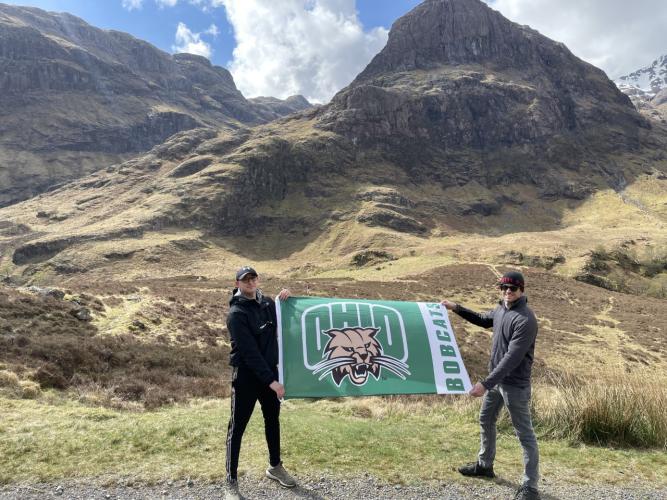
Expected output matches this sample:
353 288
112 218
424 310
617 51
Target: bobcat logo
354 353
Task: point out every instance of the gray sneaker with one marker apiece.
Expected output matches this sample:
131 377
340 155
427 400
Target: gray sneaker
278 473
527 493
232 491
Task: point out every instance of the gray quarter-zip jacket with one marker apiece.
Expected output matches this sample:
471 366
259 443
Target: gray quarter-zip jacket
514 334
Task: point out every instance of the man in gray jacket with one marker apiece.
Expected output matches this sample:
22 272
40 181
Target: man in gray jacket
508 383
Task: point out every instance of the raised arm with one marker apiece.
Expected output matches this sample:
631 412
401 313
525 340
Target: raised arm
485 319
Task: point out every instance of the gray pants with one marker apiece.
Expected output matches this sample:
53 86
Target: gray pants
517 400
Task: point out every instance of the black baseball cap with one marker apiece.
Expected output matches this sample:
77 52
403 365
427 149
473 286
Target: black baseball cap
512 278
244 271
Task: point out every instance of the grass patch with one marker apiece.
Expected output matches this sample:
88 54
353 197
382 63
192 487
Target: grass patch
401 440
620 410
12 386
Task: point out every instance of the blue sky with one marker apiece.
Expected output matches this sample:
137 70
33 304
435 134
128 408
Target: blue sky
158 24
316 47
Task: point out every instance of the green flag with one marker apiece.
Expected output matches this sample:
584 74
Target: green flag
352 347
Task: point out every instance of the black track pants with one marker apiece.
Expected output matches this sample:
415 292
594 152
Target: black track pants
246 390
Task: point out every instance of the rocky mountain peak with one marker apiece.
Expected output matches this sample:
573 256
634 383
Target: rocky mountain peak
650 79
456 32
456 73
647 89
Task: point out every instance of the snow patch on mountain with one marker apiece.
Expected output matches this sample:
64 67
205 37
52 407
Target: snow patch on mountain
645 82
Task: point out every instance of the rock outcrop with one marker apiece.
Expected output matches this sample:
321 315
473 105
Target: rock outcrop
272 108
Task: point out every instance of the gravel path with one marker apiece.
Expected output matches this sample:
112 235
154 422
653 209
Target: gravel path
319 488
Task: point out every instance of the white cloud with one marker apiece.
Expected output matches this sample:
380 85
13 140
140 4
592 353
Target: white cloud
213 31
138 4
308 47
207 5
166 3
188 41
615 35
132 4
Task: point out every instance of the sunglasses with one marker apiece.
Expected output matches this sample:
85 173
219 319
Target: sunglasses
511 288
248 279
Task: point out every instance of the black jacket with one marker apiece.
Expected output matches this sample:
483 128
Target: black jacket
514 334
252 327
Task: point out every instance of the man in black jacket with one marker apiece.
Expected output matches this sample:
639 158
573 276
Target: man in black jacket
252 326
508 383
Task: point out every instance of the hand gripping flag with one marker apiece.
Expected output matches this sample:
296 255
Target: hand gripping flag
352 347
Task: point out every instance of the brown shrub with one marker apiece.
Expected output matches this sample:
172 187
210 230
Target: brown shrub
131 391
51 376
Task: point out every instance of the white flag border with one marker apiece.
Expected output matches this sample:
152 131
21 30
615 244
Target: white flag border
279 332
438 371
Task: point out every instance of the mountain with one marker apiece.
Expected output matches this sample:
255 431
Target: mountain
650 80
647 88
75 98
468 136
272 108
458 74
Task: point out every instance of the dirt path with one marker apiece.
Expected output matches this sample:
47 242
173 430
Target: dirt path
322 488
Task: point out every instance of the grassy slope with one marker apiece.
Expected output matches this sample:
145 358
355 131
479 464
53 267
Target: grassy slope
604 220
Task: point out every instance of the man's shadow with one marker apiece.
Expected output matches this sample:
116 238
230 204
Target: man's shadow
513 486
299 491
